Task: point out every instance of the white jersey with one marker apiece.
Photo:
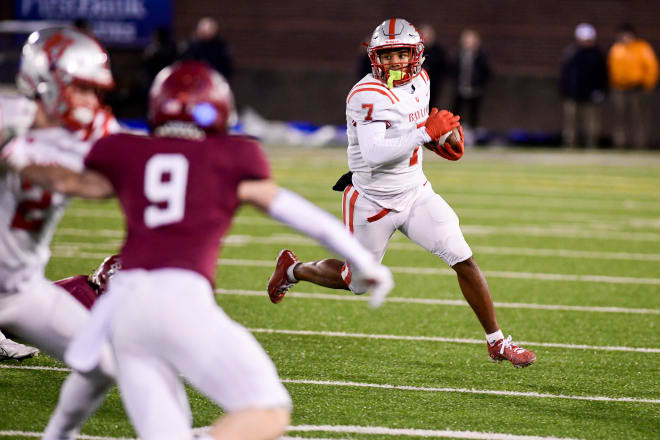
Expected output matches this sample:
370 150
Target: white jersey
403 109
29 214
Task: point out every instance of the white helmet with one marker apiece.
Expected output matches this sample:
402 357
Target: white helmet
392 34
53 58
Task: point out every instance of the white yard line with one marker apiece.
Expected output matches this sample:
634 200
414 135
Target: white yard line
451 340
412 432
445 302
73 253
600 231
368 430
298 240
40 434
33 367
471 391
488 273
425 389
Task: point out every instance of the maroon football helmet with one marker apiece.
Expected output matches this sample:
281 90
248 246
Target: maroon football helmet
193 92
104 272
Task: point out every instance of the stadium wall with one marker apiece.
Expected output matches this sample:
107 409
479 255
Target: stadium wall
296 59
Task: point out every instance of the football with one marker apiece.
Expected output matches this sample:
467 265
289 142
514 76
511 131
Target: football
454 138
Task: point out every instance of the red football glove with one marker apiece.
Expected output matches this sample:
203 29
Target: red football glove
449 151
440 122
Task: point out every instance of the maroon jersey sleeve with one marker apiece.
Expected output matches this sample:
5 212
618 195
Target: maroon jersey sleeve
251 160
101 156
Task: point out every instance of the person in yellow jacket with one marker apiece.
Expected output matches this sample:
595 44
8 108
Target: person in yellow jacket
633 73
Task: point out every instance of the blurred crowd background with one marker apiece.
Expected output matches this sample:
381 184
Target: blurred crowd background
574 73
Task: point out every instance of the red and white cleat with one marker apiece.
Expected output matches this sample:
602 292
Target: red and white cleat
505 349
279 283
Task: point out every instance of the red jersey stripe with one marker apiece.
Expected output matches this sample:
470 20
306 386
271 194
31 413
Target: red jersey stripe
369 89
373 83
414 159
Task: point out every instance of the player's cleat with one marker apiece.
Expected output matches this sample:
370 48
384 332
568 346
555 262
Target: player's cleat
13 350
279 283
504 349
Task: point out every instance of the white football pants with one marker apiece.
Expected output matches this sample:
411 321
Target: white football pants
47 316
168 323
429 221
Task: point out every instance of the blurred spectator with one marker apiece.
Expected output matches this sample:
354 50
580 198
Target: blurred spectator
208 46
633 68
159 53
363 65
472 72
583 83
435 62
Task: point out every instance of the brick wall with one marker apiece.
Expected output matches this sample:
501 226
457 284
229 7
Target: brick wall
296 59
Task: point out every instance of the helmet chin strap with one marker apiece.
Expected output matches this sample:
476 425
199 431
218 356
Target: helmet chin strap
393 75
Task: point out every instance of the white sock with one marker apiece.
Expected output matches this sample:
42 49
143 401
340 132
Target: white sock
289 272
2 336
203 437
494 337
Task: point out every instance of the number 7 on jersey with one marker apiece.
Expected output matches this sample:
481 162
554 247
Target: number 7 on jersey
370 110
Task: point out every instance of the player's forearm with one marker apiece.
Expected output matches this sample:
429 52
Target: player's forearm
378 150
87 184
298 213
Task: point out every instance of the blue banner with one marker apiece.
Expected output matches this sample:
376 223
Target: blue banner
114 22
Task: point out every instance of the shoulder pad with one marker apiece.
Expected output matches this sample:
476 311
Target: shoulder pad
370 101
372 91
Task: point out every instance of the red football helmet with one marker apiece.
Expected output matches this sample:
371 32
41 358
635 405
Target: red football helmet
191 92
104 272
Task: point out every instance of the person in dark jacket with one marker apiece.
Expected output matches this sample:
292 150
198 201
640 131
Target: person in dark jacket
435 63
472 72
159 53
208 46
583 84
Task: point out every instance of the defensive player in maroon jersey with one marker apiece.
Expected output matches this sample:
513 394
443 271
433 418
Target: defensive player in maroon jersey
179 191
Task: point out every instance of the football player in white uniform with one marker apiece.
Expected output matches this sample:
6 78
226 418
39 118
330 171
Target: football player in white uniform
17 115
388 121
61 72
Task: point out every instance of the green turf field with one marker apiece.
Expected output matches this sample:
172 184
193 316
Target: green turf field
569 242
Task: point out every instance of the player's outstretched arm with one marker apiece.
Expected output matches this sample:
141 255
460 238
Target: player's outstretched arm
300 214
87 184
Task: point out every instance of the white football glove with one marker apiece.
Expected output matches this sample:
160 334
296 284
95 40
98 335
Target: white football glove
380 282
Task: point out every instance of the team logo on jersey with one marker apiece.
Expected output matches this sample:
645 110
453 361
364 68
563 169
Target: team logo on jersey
422 113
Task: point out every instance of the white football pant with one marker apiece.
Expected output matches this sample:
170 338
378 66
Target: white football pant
168 324
47 316
429 221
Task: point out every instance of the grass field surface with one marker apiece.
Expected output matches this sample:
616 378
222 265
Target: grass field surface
569 242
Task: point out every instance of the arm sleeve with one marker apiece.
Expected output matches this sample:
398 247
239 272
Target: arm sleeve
378 150
251 162
298 213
